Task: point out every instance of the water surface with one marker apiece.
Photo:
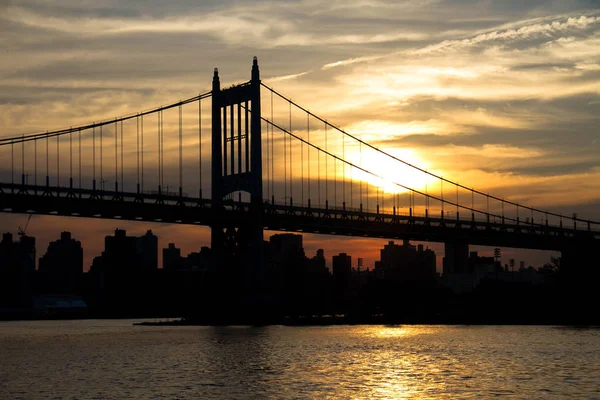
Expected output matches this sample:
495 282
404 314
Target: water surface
112 359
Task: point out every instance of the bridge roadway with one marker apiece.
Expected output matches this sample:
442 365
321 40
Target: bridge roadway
169 208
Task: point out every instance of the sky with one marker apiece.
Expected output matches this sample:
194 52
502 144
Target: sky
503 96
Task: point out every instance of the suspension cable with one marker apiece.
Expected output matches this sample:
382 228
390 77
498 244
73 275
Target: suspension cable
34 136
414 166
379 177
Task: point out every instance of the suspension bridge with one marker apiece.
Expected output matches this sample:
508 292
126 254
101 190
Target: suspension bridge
254 160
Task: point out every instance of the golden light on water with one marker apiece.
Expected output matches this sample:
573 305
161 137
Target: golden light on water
402 331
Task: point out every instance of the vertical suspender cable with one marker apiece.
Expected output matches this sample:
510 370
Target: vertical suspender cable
326 169
367 194
12 163
142 155
180 151
122 159
116 157
101 172
231 144
319 176
200 146
360 181
35 162
162 149
302 174
239 138
47 160
137 153
334 181
224 123
272 155
308 149
23 160
158 153
79 163
456 200
57 162
442 195
344 171
291 163
71 158
267 158
247 140
351 192
94 157
284 167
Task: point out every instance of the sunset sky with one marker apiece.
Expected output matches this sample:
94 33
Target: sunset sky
503 96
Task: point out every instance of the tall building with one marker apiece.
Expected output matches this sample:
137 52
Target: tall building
171 257
17 255
456 258
342 270
405 262
61 268
287 245
318 261
199 261
147 248
481 264
131 254
17 265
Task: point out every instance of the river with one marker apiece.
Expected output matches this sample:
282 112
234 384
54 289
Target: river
112 359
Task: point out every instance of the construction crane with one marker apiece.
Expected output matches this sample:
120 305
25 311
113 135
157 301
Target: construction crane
23 230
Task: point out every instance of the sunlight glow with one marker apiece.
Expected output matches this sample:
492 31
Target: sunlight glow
391 171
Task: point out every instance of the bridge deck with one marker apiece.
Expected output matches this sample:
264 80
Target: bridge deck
169 208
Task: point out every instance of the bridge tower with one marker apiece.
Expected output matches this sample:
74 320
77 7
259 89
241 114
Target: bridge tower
237 167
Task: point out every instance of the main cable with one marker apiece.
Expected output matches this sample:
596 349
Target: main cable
418 168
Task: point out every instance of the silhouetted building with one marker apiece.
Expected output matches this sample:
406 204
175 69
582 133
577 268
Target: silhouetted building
147 248
456 258
17 265
287 245
128 254
342 270
479 264
199 261
61 268
172 257
318 261
405 263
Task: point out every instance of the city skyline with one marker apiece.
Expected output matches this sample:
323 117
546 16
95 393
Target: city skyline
503 98
311 247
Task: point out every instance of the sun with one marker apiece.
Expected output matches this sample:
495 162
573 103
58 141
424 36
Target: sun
390 175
